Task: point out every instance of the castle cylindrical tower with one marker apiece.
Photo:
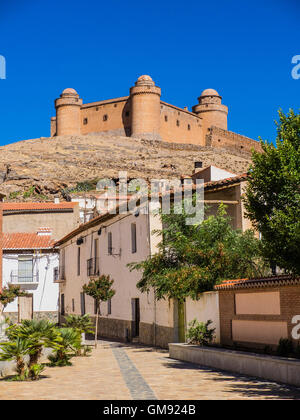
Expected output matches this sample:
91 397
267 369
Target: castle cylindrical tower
211 110
145 108
68 113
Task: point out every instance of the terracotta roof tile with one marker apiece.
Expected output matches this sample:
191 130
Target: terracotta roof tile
283 279
226 181
25 241
39 206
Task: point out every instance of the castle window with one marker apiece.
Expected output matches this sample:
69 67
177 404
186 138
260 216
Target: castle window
177 123
105 117
85 121
189 127
178 113
166 118
115 105
97 109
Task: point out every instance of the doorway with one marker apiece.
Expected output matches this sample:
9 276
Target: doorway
25 307
136 317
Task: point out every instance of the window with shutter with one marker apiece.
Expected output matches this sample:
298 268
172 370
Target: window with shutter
133 238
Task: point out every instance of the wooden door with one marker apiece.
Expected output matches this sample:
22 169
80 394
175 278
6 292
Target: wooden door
25 307
136 317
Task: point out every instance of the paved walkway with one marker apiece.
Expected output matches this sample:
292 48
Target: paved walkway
116 371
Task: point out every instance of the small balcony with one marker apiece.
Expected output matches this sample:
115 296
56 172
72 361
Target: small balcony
59 274
24 278
93 267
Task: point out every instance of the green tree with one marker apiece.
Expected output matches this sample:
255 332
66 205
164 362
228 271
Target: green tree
99 288
272 198
191 259
8 295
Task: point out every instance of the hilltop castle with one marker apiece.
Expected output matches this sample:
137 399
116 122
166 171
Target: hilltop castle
143 114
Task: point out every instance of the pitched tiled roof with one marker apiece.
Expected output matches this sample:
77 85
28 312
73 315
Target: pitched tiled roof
225 182
38 206
280 280
44 229
25 241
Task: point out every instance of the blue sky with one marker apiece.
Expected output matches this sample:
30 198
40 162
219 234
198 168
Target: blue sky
243 49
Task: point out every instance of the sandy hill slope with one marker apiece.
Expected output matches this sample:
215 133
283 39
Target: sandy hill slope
39 168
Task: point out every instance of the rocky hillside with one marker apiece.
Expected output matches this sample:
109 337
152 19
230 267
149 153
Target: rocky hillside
37 169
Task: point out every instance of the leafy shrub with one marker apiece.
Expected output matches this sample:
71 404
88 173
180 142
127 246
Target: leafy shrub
16 350
297 350
70 345
200 333
35 371
82 323
268 350
39 334
87 350
285 347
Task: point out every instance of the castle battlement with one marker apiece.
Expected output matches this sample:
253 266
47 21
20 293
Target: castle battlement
143 114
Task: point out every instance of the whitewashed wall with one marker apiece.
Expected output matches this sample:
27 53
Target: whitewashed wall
207 307
45 294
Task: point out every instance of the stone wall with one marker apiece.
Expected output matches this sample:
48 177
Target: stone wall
50 316
107 116
156 335
114 328
178 125
218 137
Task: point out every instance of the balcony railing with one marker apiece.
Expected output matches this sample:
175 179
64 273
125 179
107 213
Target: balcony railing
56 277
93 266
24 278
59 274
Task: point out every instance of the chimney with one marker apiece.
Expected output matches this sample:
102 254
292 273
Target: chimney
197 165
42 231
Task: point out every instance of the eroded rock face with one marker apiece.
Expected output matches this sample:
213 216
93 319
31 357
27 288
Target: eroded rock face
40 168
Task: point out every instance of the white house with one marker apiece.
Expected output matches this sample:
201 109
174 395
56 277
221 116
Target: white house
30 261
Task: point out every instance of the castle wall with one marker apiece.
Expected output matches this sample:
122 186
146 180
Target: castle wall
53 127
180 126
218 137
142 114
104 116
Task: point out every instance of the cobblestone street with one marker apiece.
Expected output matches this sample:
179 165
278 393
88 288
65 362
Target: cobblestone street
116 371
